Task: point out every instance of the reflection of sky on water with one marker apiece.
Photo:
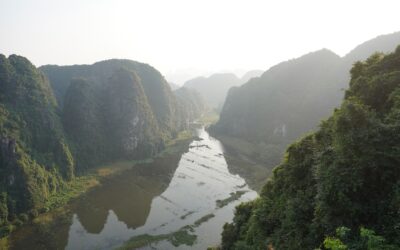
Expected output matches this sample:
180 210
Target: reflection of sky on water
202 177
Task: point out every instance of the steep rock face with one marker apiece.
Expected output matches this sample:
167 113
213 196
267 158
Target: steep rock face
82 119
130 121
290 99
34 157
285 101
116 109
111 121
345 176
159 95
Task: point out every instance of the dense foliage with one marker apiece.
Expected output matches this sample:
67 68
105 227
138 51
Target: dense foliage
344 177
110 122
281 104
158 93
116 109
291 98
34 156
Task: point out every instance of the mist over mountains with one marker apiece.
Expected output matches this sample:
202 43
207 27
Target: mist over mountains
319 133
336 188
215 87
292 97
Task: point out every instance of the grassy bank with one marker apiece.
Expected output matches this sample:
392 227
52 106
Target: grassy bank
93 178
80 185
233 197
181 237
47 217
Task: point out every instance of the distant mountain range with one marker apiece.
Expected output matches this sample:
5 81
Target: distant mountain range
289 100
338 187
292 97
215 87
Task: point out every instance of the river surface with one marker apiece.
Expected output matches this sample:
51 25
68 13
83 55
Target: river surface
157 198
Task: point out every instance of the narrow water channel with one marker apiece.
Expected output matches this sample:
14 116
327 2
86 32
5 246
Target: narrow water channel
192 190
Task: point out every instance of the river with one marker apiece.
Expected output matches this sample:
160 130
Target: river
193 191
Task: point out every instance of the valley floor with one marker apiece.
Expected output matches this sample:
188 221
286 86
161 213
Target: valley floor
57 206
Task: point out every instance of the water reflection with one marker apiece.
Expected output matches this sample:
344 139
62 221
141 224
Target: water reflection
109 215
155 198
128 195
121 204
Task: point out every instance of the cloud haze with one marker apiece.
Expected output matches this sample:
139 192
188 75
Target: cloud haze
203 36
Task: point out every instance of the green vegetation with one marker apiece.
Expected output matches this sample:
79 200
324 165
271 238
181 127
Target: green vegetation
161 100
180 237
119 109
110 122
203 219
187 214
233 197
345 175
111 111
35 160
287 101
81 184
4 243
143 240
367 239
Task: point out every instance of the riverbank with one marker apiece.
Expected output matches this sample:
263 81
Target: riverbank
178 200
52 215
199 200
252 161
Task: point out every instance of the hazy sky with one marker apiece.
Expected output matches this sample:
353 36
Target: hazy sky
181 37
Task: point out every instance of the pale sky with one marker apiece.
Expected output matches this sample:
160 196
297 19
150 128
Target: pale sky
184 38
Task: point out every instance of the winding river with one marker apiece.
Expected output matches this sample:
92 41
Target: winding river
192 190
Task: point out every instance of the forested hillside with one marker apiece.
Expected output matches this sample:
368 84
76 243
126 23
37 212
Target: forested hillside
34 156
280 104
291 98
110 123
119 109
159 95
337 188
109 111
